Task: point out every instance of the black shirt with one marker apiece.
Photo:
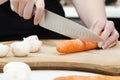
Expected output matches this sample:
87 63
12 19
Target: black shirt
13 27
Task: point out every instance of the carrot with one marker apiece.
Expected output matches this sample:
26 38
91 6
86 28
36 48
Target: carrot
70 46
88 78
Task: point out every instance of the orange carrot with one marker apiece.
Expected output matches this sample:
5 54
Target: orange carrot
88 78
70 46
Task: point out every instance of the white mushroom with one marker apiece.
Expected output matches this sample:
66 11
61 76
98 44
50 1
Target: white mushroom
32 37
15 75
17 66
35 46
20 49
29 44
4 49
34 42
16 71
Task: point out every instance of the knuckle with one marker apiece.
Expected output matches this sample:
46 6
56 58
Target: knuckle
111 25
111 22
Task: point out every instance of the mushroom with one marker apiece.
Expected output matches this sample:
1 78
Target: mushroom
30 44
20 49
4 49
14 75
16 71
17 66
34 42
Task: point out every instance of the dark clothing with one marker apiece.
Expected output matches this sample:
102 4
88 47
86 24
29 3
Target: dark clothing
13 27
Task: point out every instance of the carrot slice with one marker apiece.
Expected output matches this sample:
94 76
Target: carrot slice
70 46
88 78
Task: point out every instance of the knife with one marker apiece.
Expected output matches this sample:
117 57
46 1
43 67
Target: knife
64 26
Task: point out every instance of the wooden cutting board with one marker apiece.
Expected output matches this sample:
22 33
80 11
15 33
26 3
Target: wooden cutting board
105 61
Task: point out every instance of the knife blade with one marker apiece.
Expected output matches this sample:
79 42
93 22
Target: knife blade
64 26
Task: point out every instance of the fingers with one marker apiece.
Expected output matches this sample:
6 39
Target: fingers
110 45
39 11
109 28
113 44
110 36
25 9
28 11
21 8
112 40
107 32
14 5
99 26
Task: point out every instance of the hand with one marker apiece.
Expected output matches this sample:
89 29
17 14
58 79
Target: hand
25 9
2 1
109 33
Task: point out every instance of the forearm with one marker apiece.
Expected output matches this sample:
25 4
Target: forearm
90 11
3 1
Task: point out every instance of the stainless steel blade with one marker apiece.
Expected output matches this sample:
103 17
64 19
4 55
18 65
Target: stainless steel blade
67 27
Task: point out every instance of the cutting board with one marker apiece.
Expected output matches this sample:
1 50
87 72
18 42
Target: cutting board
105 61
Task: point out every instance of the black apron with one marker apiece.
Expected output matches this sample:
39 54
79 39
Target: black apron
13 27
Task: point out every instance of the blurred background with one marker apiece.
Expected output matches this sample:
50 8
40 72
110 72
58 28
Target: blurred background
107 2
112 11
